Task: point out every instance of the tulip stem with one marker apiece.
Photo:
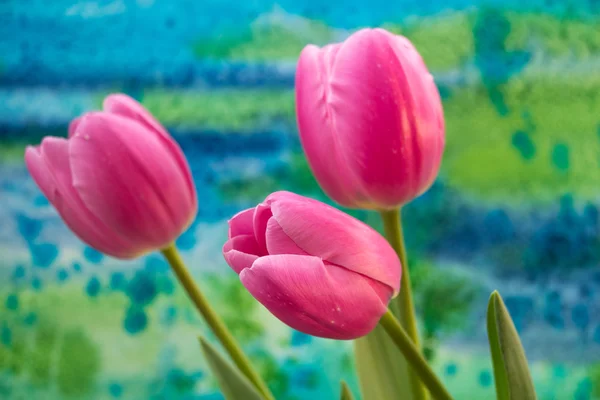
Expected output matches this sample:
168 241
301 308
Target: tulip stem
392 225
413 356
213 320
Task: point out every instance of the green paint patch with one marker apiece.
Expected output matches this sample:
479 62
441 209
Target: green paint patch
557 37
40 359
485 158
78 365
266 42
11 152
444 41
227 109
238 318
78 343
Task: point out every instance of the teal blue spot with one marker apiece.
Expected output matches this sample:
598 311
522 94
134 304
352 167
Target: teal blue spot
135 321
142 289
559 371
580 315
307 377
117 281
485 378
165 285
115 390
92 255
180 381
560 156
44 254
451 369
19 272
154 265
584 390
5 335
29 228
186 241
524 145
30 319
93 287
12 302
300 339
62 275
76 267
36 283
169 315
40 201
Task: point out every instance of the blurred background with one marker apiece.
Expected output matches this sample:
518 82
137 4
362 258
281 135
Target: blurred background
515 207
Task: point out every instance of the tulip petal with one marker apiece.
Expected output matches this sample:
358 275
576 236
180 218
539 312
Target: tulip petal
127 179
73 126
326 232
240 252
49 167
241 223
262 214
427 109
280 243
318 299
121 104
387 107
317 110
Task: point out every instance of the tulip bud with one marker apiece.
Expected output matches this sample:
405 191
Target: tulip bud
370 119
314 267
119 181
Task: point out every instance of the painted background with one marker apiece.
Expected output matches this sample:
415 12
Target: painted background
515 207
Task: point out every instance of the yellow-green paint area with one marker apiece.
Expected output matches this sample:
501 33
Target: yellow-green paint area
547 145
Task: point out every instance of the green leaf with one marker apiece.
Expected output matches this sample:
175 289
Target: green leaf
233 384
381 367
346 393
511 372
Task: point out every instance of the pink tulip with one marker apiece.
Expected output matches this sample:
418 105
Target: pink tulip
314 267
119 181
370 119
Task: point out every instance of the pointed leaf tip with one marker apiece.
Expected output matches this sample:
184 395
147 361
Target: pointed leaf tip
346 393
511 372
233 384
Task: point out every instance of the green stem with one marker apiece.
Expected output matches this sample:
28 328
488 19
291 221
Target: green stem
413 357
214 321
392 226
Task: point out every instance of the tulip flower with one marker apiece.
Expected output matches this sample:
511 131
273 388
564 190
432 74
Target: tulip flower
370 119
314 267
119 181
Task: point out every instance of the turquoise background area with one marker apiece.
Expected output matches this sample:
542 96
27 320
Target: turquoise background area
515 207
